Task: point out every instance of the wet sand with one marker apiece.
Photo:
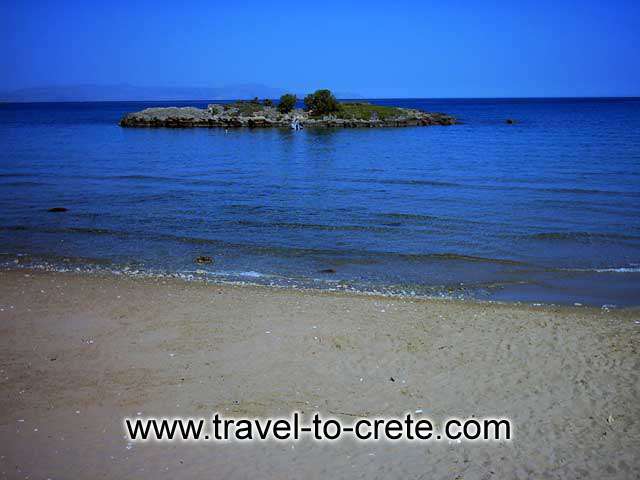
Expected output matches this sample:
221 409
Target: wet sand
80 352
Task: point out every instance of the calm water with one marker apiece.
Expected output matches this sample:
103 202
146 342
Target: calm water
547 210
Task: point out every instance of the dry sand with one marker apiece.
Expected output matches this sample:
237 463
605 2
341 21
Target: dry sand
80 352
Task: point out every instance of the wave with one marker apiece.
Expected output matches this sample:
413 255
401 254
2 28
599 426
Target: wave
400 181
64 230
282 251
461 257
229 273
410 216
581 236
619 270
204 181
135 177
480 290
22 184
244 278
179 180
430 219
587 191
27 259
337 255
632 269
17 175
314 226
508 186
243 208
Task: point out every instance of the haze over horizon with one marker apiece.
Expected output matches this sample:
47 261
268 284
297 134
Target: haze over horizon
370 50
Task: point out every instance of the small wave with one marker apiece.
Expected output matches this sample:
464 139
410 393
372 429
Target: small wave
346 255
138 177
165 197
226 273
400 181
66 230
86 230
209 182
489 186
251 274
587 191
399 218
620 270
633 269
183 181
64 261
22 184
313 226
581 236
14 228
409 216
460 257
242 208
17 175
121 234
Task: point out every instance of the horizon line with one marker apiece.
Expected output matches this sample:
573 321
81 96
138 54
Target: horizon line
589 97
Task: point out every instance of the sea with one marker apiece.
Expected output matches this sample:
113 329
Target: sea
546 210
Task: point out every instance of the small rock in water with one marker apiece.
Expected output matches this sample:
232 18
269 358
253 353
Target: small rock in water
328 270
58 209
203 259
510 121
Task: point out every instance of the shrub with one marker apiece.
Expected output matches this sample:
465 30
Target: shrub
287 103
267 102
366 111
321 102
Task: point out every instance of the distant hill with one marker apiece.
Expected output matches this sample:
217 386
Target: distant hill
124 92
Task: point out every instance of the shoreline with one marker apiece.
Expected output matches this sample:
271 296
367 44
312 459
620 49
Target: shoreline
187 279
80 352
213 279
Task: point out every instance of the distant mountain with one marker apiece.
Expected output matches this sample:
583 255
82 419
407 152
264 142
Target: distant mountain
124 92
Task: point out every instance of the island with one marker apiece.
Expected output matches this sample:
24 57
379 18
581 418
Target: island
321 109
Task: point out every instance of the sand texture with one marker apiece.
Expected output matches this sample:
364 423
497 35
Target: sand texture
79 352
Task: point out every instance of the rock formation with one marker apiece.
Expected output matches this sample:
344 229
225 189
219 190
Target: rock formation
260 116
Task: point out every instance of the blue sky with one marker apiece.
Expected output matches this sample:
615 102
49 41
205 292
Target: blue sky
377 49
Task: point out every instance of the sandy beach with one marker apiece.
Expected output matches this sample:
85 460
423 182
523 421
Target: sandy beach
80 352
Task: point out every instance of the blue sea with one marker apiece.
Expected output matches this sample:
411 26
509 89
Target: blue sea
546 210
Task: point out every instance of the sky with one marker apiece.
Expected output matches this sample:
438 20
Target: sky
377 49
